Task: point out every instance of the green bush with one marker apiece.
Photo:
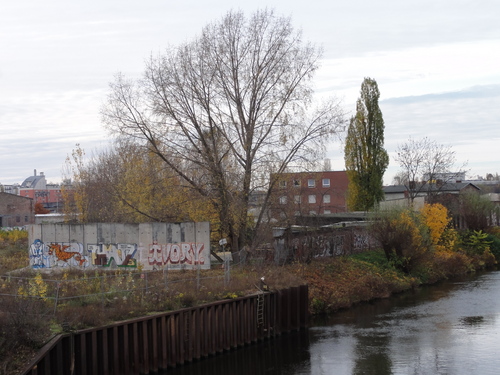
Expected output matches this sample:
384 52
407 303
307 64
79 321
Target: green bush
494 245
475 242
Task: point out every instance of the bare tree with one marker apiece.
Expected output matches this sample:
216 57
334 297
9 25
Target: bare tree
228 108
426 166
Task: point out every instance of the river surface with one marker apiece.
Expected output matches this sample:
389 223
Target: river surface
451 328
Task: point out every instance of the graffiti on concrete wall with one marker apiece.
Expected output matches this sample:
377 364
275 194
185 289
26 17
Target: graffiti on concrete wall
304 246
73 254
184 253
146 245
361 241
57 254
113 255
39 255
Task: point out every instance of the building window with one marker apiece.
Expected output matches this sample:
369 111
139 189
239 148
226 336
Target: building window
312 212
326 198
326 182
283 200
326 212
297 199
312 198
296 182
311 183
18 219
26 219
282 183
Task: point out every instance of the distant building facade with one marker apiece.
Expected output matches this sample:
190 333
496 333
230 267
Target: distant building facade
36 188
308 193
11 189
427 193
16 211
444 177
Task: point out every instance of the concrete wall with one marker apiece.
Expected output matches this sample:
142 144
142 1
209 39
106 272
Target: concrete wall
149 245
418 203
303 245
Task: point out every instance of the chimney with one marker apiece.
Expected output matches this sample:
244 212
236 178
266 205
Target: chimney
34 172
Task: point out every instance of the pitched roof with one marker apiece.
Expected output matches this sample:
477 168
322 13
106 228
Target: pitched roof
32 181
448 187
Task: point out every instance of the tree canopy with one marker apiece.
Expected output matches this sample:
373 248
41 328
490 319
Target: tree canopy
125 184
226 110
365 157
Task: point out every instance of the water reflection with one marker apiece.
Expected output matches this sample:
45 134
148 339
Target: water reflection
452 328
284 355
449 329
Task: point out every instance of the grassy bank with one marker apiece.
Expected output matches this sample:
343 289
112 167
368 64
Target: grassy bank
339 283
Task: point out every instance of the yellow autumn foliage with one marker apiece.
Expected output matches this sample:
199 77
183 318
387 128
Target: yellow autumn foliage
409 222
436 218
36 287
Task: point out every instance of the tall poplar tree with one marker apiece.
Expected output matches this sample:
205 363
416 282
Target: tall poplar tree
365 157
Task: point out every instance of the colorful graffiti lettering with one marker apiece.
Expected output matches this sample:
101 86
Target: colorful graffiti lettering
110 255
189 253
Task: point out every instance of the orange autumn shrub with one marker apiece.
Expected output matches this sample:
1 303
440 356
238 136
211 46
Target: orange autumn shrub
437 219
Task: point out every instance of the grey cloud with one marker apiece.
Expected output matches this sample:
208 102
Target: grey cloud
475 92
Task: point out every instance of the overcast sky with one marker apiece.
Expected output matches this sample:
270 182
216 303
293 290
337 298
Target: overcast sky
436 62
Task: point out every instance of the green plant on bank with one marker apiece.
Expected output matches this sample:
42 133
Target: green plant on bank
494 245
476 242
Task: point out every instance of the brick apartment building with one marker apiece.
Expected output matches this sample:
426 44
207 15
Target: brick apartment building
16 211
309 193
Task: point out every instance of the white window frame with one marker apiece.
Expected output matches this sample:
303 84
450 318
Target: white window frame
311 182
327 198
311 199
325 182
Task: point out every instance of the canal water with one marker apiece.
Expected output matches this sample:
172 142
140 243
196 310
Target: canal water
451 328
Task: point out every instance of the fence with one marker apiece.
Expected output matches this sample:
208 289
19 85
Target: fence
106 286
158 342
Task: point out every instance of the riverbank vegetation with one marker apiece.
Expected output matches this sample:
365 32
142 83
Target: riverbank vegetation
416 248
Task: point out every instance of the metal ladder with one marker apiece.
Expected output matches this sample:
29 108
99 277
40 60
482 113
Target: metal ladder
260 309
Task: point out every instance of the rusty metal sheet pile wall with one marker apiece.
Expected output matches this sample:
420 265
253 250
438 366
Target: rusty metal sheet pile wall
154 343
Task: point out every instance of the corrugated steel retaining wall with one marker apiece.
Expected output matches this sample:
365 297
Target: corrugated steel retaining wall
158 342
